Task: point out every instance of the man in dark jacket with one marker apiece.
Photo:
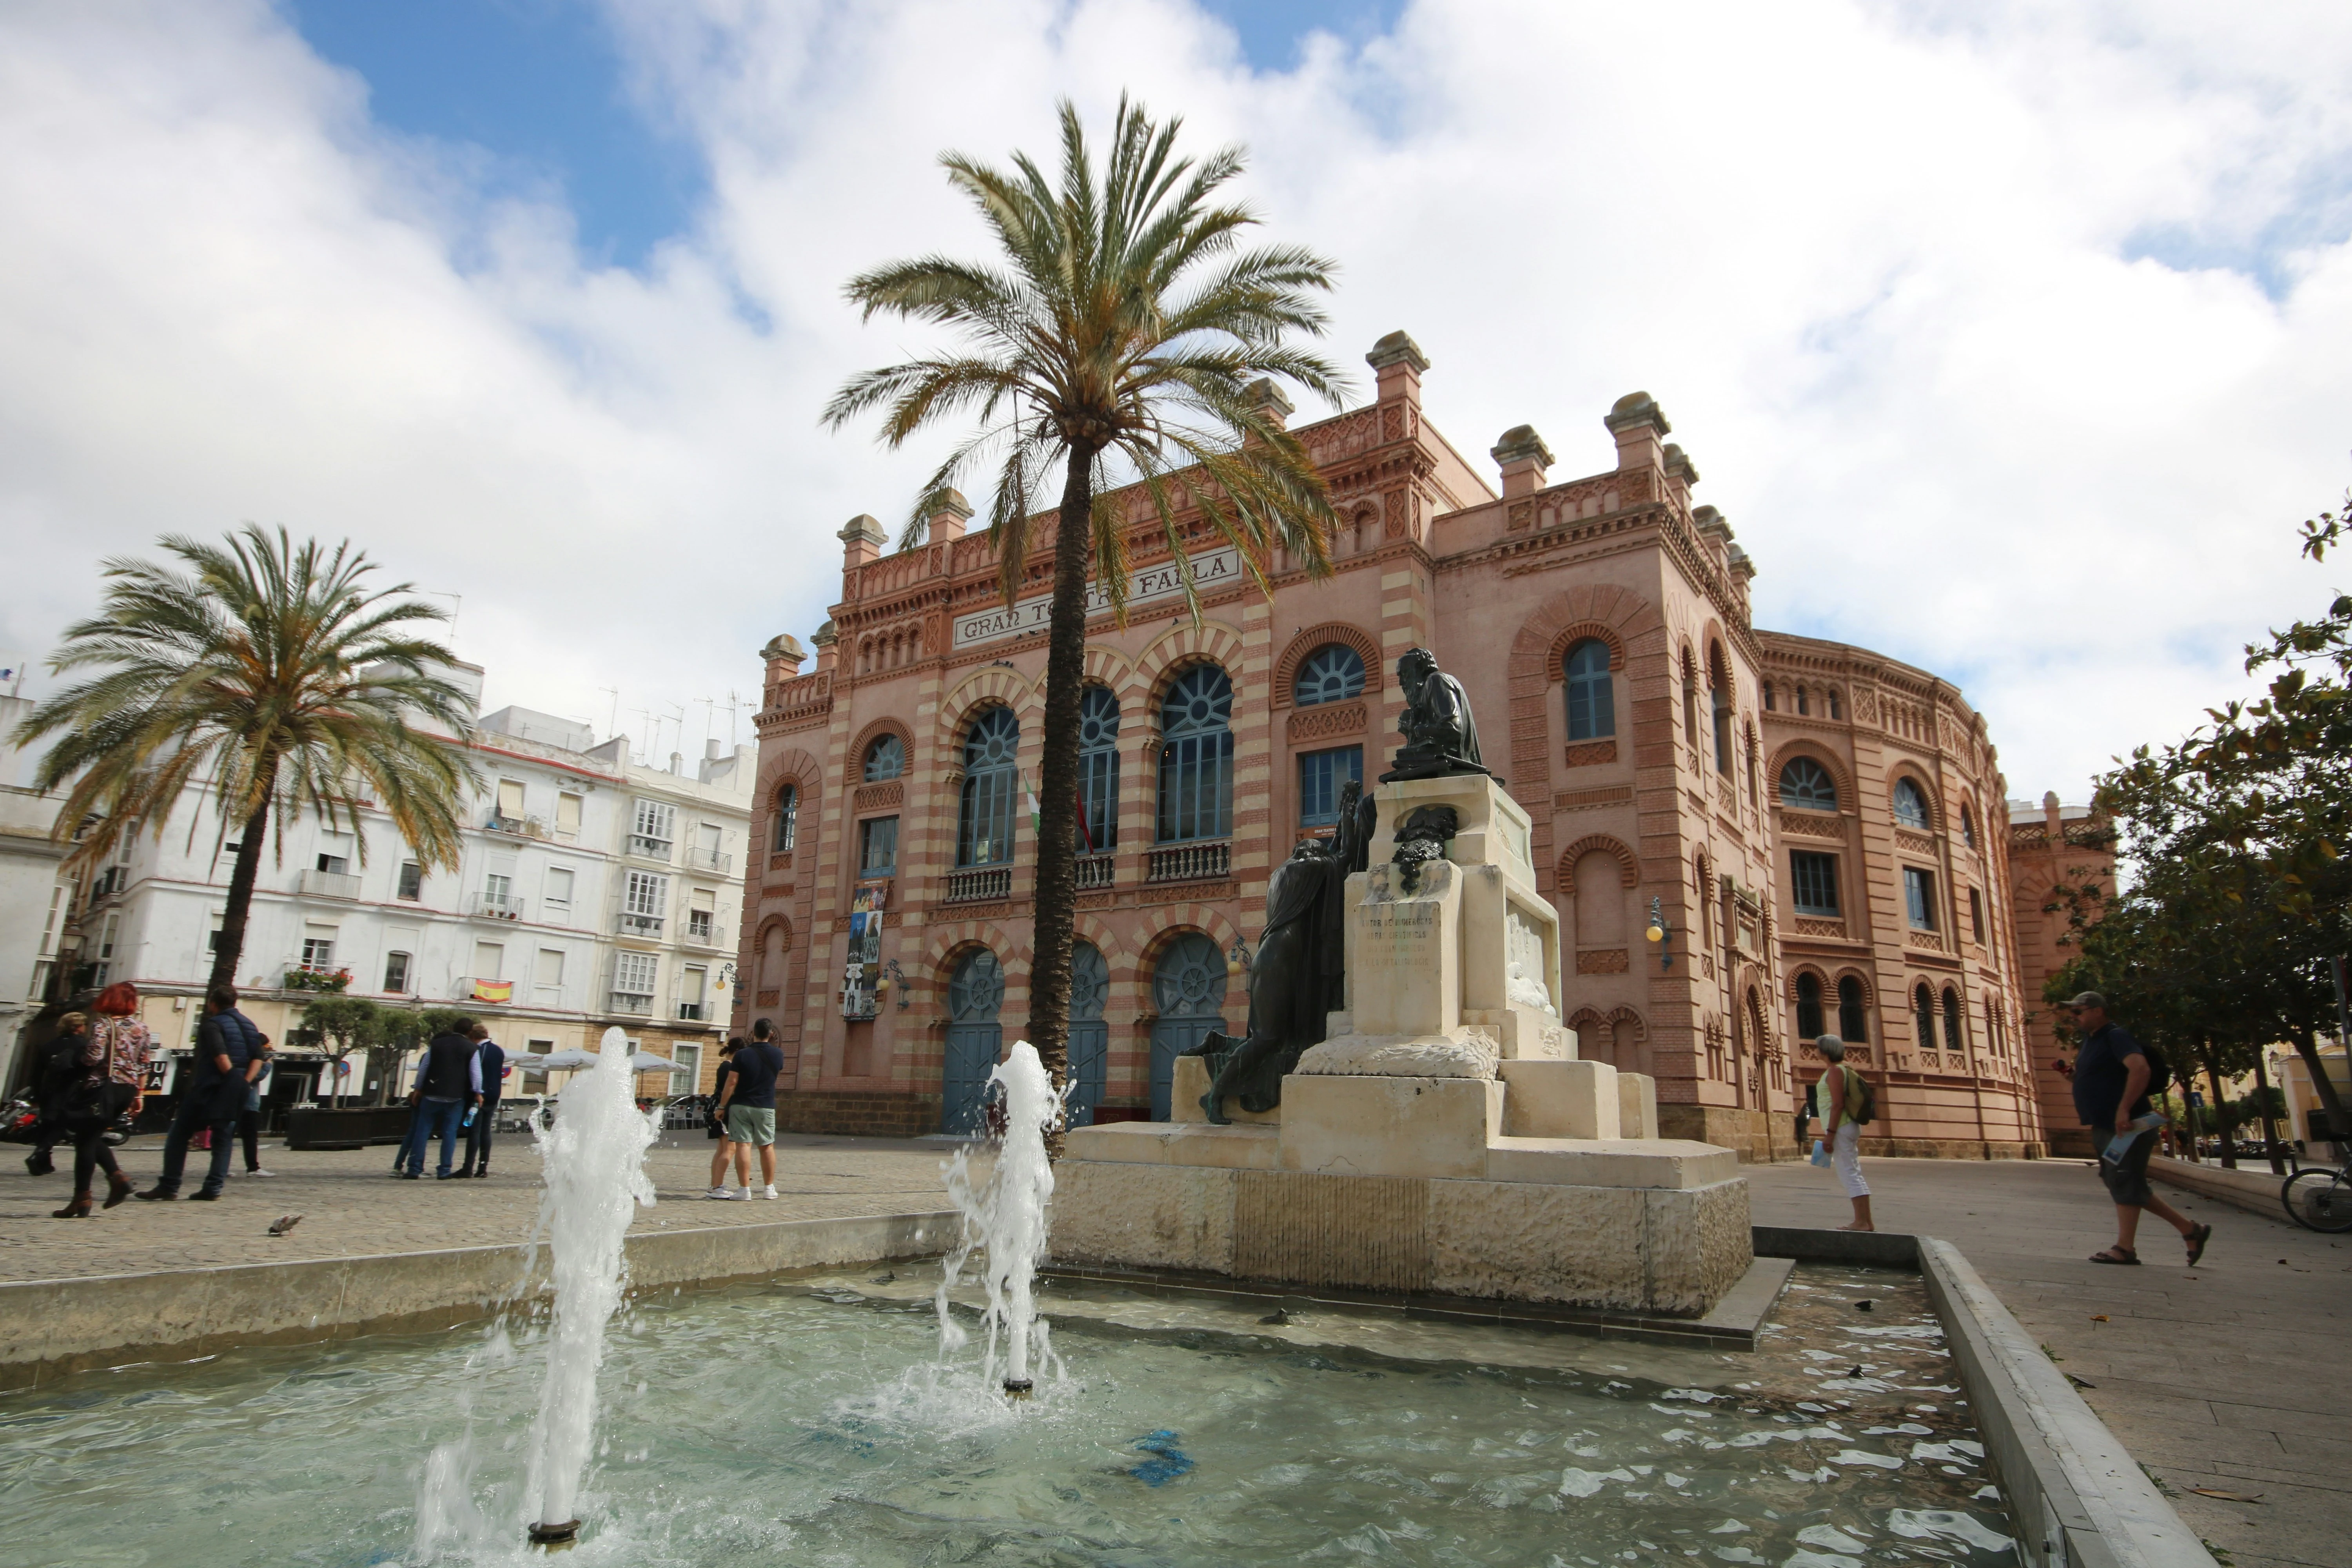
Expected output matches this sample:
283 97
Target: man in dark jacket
448 1079
60 1065
228 1048
491 1061
2111 1078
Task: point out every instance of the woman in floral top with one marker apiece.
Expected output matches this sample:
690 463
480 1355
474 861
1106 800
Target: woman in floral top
113 1080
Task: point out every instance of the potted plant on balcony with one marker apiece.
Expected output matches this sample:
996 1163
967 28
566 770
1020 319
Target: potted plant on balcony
302 977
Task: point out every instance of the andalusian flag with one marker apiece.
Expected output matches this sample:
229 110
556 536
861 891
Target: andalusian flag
493 989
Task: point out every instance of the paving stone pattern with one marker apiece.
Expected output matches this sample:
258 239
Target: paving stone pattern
2235 1376
352 1208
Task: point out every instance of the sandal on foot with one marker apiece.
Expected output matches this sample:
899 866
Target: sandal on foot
2199 1235
2116 1255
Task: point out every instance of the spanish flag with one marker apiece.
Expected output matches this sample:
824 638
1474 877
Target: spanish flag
493 989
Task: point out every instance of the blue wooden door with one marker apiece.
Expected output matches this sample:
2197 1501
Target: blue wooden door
1188 988
1089 1036
975 1038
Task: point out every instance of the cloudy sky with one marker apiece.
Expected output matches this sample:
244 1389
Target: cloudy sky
2010 338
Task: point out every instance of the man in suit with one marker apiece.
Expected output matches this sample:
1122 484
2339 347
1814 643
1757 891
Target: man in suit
493 1063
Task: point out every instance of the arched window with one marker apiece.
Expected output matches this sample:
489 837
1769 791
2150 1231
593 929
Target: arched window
1196 763
1804 704
1923 1003
1719 698
1097 771
1831 698
1805 784
1953 1039
1910 804
991 784
1809 1007
1332 673
886 759
1755 764
1592 708
786 819
1690 701
1771 700
1967 827
1853 1018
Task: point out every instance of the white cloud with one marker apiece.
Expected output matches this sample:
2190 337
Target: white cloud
1895 271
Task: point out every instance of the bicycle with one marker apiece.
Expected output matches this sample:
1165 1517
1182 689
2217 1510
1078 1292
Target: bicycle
2319 1197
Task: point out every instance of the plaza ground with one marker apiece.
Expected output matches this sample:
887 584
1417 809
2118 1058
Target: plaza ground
2231 1377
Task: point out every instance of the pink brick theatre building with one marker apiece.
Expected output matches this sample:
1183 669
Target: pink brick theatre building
1819 832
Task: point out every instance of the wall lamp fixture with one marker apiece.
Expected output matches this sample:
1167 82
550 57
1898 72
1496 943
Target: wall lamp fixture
1661 935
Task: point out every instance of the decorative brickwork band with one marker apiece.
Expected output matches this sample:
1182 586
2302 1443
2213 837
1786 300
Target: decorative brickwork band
1592 753
1603 961
1329 722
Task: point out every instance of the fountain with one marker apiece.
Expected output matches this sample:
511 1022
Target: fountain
593 1157
1006 1216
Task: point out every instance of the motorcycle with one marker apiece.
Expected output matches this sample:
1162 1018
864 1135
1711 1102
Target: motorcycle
20 1123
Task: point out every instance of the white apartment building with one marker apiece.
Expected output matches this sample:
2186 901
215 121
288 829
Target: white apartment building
34 897
580 902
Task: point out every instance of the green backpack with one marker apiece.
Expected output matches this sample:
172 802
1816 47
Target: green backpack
1868 1111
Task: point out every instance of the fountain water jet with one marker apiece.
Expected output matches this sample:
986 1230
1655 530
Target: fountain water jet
593 1163
1006 1217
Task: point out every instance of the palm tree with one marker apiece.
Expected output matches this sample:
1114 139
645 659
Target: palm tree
1117 338
268 673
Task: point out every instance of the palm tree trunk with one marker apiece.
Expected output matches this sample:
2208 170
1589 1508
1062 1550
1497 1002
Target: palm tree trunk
1055 921
2213 1082
240 888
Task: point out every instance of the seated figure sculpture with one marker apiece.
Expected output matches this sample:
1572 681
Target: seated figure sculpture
1440 737
1297 975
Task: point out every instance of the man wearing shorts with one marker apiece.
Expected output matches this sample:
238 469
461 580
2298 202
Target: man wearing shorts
747 1107
2111 1078
1840 1093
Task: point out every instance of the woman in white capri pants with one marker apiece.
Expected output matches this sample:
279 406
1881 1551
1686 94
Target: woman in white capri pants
1840 1094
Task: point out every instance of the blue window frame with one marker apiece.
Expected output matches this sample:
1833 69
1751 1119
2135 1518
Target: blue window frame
886 759
1332 673
1910 804
1806 784
991 784
1099 771
1591 706
1321 776
1813 881
1919 897
1196 763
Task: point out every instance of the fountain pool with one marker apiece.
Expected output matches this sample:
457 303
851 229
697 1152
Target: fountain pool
814 1421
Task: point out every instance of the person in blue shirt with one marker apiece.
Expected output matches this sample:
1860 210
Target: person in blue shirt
491 1064
2111 1078
228 1057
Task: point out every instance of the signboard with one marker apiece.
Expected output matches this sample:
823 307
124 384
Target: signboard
1211 569
160 1070
865 958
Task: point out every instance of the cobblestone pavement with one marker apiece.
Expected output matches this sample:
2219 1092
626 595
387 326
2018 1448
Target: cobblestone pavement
351 1206
2233 1376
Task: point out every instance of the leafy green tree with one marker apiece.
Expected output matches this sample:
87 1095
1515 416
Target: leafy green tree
272 675
1116 337
340 1026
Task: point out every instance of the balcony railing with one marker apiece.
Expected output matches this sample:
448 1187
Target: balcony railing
638 925
980 883
326 884
1190 862
710 860
630 1001
518 827
694 1012
650 848
1094 872
495 907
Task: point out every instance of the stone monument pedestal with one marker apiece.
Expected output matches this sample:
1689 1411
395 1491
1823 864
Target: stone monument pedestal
1445 1138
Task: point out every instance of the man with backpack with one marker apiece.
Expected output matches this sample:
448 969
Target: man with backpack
2114 1076
1846 1101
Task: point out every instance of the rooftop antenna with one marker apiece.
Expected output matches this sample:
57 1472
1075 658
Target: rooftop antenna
457 603
733 704
612 725
709 716
644 759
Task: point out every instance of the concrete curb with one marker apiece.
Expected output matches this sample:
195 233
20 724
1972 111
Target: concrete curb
2240 1189
2078 1500
51 1328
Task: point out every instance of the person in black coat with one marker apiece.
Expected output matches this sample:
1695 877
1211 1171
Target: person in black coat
60 1067
492 1061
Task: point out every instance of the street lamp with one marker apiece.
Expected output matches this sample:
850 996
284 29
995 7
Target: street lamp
1661 935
